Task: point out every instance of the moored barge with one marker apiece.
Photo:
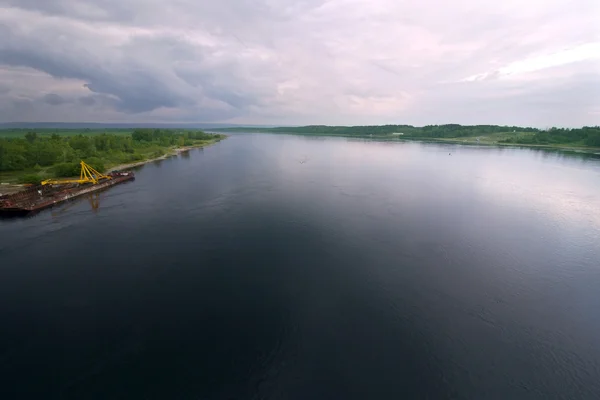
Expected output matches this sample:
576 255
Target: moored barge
53 192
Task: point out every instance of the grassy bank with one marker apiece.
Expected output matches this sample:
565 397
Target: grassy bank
31 156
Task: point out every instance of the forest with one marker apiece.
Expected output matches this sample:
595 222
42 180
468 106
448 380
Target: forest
30 156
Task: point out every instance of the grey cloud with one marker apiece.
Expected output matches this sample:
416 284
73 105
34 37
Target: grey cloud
137 90
87 101
214 89
98 101
150 73
53 99
20 108
583 92
110 10
310 61
541 103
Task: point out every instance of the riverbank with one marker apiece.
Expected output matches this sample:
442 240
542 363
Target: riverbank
173 152
473 142
585 139
484 140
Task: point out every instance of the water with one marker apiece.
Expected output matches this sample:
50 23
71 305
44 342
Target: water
287 267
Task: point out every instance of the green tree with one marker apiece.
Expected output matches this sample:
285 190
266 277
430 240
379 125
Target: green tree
65 170
593 139
32 179
31 136
142 135
83 144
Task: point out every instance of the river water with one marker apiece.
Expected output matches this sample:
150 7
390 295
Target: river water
289 267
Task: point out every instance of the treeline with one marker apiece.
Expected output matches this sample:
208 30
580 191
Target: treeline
458 131
59 155
586 136
167 137
433 131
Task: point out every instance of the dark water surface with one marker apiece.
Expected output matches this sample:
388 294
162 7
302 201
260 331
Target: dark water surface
286 267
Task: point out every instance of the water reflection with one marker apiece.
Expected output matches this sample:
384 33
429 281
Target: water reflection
558 154
93 199
185 154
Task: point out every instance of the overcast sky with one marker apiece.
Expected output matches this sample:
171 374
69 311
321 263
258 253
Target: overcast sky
522 62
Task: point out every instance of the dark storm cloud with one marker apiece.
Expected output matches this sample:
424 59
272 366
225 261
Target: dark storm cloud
143 79
137 90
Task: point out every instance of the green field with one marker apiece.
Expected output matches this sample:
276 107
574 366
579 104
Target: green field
29 156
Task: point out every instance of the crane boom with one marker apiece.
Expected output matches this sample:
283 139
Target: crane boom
87 175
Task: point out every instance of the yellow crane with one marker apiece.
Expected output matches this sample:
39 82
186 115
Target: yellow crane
87 175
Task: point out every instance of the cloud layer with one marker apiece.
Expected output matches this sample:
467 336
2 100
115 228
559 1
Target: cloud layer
301 62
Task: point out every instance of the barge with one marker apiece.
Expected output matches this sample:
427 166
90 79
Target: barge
53 192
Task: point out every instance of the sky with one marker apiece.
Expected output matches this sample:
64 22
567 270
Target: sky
283 62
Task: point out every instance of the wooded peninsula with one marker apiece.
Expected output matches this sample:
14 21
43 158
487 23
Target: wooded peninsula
30 156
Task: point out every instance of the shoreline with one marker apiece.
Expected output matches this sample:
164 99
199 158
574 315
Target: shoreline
172 152
549 147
